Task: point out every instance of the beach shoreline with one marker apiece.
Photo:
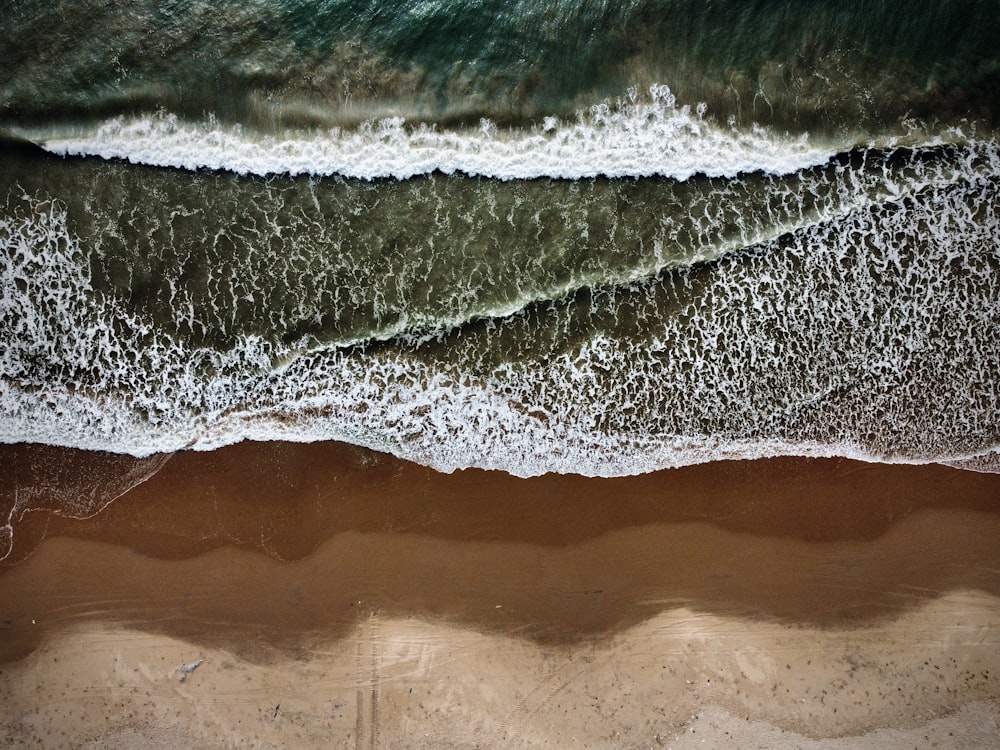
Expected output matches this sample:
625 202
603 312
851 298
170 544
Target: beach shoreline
175 505
310 578
675 324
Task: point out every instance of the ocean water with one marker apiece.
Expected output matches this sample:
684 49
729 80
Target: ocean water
591 237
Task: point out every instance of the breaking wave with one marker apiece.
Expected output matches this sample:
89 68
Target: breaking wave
640 136
868 331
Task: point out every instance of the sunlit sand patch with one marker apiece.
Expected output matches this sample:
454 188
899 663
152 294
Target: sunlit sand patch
679 679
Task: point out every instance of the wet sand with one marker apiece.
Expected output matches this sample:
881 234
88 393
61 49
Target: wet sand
813 603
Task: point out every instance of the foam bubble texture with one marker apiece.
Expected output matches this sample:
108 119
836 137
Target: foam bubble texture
871 334
635 137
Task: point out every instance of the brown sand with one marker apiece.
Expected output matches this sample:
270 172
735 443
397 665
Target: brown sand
287 499
781 603
676 680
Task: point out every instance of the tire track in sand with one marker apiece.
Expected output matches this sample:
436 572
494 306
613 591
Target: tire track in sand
504 735
368 677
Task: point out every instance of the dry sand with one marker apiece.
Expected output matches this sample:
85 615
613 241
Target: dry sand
337 598
678 680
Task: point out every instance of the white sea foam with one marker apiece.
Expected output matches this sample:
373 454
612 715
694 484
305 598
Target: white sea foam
872 336
81 492
636 137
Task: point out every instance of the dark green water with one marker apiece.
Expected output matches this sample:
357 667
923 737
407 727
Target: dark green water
808 64
793 250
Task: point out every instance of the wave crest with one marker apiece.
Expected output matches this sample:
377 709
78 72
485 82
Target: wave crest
636 136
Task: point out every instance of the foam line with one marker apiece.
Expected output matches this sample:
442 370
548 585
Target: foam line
871 335
634 137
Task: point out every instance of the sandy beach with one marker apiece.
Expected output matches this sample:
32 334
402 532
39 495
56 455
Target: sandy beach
334 597
466 375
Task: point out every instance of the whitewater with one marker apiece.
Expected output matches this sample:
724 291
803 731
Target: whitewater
640 135
769 298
